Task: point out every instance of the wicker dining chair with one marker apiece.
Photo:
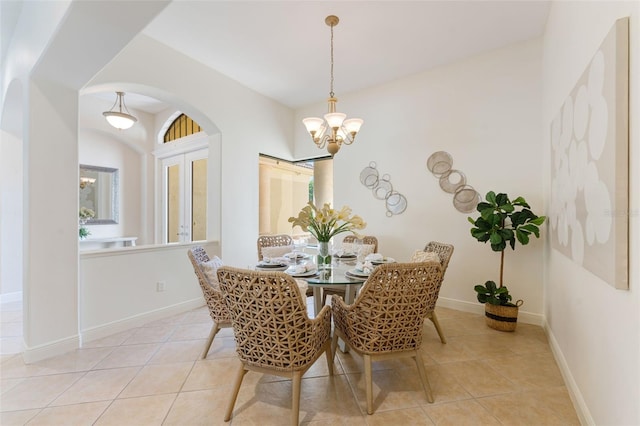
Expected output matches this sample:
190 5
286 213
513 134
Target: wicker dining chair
444 252
367 239
278 240
349 239
387 318
212 296
273 332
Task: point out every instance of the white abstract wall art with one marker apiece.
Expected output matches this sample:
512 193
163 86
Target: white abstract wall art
589 209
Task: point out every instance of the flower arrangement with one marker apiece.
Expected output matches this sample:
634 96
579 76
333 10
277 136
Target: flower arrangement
326 222
83 216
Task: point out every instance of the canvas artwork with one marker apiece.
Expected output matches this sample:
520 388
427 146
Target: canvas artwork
589 210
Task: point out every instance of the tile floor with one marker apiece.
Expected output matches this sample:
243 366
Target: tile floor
152 375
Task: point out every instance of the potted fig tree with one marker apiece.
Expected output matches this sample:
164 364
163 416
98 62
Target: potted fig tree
503 221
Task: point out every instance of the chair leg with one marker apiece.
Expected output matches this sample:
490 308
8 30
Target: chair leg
423 377
329 354
212 334
295 397
368 382
334 345
234 395
434 319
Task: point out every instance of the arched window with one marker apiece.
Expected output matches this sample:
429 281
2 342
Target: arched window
182 126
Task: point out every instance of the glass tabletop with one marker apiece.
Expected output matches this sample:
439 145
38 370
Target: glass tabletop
336 275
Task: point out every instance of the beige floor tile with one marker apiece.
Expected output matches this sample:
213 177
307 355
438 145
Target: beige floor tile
97 385
477 378
191 331
529 371
459 413
78 360
410 416
158 379
129 356
526 408
171 352
113 340
78 414
444 386
213 374
392 389
146 410
7 384
453 351
196 408
37 392
156 334
200 315
17 418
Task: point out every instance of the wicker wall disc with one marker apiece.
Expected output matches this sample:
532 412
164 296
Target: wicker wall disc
383 189
452 181
466 199
439 162
369 176
396 203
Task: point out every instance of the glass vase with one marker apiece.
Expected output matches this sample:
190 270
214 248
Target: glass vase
324 258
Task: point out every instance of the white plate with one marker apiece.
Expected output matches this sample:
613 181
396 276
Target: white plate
271 268
380 262
357 273
271 265
303 274
292 256
347 256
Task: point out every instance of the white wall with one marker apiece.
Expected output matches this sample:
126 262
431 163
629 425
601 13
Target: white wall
119 287
10 217
594 328
484 111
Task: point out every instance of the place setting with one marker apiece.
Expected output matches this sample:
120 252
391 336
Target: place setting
272 264
302 270
365 268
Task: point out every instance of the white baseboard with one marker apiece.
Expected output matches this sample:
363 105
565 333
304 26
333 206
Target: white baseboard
48 350
114 327
15 296
582 410
477 308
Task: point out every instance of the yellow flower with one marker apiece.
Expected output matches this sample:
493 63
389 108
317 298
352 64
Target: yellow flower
326 222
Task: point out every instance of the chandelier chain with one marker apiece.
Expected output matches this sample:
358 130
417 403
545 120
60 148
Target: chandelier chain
331 94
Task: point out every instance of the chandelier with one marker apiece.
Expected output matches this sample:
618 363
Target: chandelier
119 119
334 129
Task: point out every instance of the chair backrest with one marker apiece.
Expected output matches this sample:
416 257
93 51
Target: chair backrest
269 318
444 251
367 239
212 296
389 312
273 241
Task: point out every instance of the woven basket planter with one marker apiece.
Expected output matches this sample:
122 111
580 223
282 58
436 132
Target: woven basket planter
503 318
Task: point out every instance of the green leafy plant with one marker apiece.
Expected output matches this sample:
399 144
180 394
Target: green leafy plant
503 222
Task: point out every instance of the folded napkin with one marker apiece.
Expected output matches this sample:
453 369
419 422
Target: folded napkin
374 257
302 268
274 260
366 267
341 251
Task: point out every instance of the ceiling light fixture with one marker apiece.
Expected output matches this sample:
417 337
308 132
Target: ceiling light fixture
118 119
333 130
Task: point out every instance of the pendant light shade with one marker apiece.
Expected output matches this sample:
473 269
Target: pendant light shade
120 119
